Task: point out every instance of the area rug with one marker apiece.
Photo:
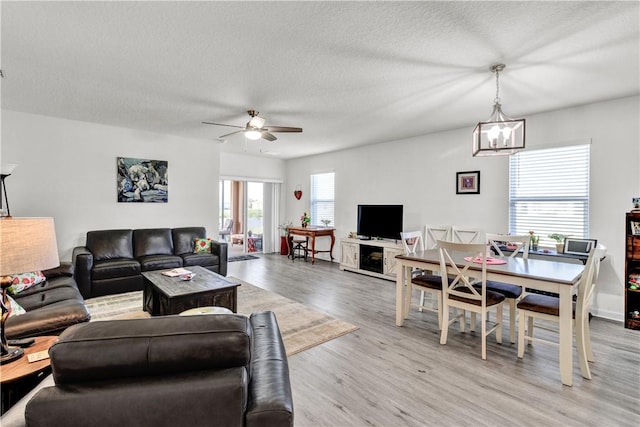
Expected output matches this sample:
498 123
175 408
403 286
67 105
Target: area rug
301 326
241 258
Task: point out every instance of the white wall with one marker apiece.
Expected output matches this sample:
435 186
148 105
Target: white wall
420 174
67 170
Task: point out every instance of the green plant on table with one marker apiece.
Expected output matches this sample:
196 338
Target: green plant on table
559 238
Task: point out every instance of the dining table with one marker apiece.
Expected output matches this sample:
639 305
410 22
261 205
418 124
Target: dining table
539 274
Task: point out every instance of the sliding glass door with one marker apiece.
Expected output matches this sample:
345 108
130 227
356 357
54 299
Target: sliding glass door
242 216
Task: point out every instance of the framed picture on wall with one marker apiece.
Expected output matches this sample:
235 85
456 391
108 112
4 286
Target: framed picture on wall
468 182
142 180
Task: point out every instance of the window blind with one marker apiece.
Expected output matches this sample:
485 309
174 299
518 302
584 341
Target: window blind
322 198
549 192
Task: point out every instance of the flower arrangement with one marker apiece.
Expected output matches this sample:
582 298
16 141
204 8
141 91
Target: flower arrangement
534 240
305 219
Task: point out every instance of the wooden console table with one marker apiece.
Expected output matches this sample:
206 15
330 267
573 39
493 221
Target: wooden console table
313 232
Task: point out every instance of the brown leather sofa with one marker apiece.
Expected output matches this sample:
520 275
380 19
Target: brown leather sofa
51 306
112 261
227 370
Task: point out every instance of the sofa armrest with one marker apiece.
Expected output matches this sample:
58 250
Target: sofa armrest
65 269
221 250
82 260
270 398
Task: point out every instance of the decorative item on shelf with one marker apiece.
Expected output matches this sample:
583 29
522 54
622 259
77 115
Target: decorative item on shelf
298 192
325 222
19 254
499 135
534 241
636 204
5 171
559 238
353 235
305 219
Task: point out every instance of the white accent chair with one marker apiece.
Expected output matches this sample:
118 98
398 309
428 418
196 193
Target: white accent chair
462 291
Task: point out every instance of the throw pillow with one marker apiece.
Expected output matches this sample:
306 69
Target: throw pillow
16 309
202 245
22 281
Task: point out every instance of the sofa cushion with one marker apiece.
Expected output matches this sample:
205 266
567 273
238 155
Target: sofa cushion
110 244
50 319
201 259
56 282
152 241
159 262
41 299
109 269
184 238
156 346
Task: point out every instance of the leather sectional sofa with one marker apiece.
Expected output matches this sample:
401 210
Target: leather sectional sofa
112 261
51 306
227 370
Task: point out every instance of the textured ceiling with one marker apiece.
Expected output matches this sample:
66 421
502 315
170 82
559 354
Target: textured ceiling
349 73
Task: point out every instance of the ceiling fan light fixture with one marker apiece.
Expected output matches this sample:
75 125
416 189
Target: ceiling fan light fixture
499 135
256 122
253 134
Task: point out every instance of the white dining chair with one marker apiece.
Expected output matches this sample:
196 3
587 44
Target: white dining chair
465 234
421 280
464 290
518 245
547 307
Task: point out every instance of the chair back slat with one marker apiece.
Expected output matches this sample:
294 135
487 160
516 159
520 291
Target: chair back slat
433 233
522 243
461 283
412 241
465 234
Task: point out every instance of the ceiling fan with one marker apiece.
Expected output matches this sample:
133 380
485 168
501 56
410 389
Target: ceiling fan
255 128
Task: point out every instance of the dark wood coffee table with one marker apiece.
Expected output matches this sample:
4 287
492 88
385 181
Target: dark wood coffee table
165 295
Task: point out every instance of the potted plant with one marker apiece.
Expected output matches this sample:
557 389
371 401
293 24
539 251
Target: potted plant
559 238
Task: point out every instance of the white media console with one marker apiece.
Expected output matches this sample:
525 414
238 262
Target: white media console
372 257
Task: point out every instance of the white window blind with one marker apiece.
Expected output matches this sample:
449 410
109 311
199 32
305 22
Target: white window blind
549 192
322 198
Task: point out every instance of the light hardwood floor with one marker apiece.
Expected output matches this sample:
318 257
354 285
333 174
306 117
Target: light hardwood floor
383 375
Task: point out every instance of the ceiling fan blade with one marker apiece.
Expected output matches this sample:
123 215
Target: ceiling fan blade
222 124
268 136
229 134
282 129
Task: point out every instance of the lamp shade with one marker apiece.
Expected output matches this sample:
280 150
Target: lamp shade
27 244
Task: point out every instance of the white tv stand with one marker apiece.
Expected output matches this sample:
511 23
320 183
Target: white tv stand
375 258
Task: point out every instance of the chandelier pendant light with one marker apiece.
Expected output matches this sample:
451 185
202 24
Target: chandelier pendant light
499 135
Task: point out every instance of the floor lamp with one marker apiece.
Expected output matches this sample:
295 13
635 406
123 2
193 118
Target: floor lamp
26 244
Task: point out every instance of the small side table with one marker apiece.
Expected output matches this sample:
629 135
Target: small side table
19 377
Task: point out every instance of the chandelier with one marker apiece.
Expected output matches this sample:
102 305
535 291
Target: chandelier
499 135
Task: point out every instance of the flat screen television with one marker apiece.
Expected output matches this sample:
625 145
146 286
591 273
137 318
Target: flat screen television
384 221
